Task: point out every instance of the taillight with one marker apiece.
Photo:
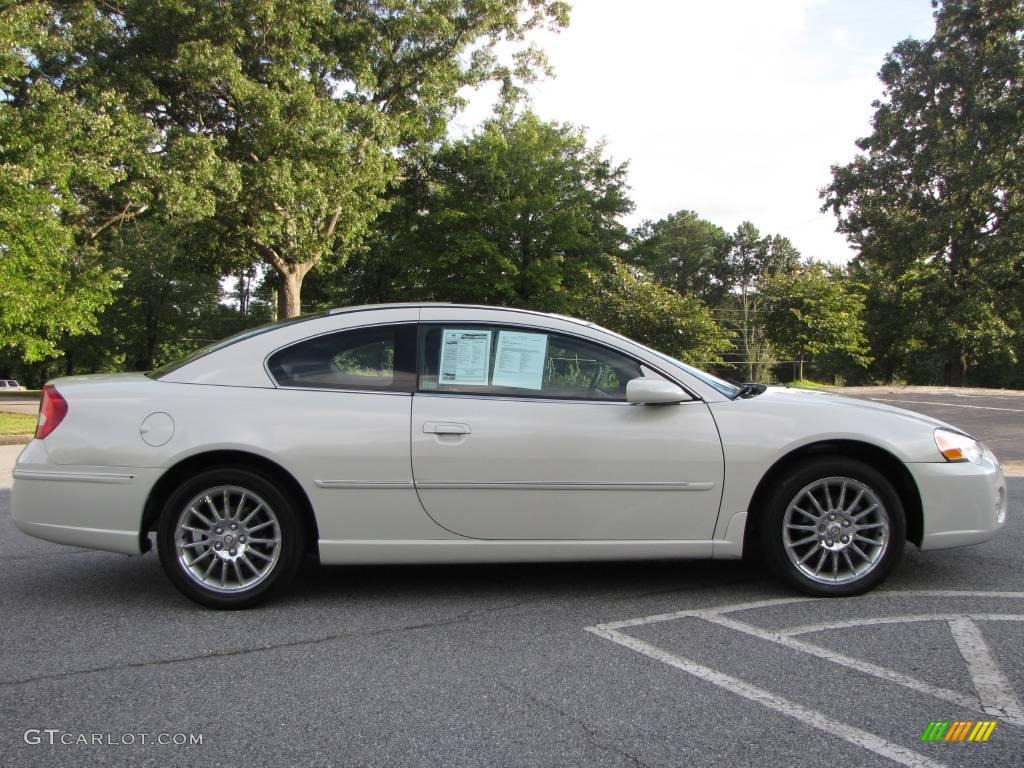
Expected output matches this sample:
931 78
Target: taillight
52 411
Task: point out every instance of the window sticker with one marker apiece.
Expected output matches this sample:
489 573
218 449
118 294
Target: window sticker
465 356
519 361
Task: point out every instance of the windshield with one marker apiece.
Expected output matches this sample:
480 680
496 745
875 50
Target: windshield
720 385
174 365
727 389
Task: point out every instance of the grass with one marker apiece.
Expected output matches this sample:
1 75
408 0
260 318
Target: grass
17 424
807 384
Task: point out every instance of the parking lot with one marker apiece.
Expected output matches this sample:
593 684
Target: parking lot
625 664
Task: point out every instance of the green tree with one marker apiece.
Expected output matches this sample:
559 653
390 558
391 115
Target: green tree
275 127
934 203
55 153
751 259
684 252
810 313
629 301
169 304
516 214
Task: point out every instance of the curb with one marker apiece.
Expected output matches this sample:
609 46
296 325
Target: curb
15 439
1013 468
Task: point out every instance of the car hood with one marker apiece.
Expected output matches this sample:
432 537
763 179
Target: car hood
812 397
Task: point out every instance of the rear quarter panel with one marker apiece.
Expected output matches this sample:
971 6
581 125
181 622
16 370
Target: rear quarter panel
349 451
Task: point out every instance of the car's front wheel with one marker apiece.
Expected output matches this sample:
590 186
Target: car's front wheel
228 537
834 527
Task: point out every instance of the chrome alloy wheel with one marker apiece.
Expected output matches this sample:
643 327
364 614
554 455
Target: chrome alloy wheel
836 530
227 539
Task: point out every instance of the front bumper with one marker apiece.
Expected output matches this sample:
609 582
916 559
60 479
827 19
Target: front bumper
94 507
963 503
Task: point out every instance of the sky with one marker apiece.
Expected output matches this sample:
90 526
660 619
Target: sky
735 109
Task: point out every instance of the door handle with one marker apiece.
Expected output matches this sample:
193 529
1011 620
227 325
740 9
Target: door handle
446 428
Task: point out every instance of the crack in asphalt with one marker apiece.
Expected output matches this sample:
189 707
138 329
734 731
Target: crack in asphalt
460 619
593 736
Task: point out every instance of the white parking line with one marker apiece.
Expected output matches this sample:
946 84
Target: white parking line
951 405
783 706
997 697
849 623
772 602
858 665
995 694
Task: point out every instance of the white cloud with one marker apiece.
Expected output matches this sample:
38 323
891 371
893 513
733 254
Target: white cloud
733 109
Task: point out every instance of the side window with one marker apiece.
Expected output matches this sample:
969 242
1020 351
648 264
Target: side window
496 360
379 359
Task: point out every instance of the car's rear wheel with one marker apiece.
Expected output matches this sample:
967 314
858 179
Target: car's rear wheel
834 527
228 538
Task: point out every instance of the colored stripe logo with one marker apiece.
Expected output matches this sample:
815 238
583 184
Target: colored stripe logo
958 730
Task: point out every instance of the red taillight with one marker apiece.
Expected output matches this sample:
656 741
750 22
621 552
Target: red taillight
52 411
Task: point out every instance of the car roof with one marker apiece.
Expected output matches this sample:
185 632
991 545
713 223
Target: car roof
458 305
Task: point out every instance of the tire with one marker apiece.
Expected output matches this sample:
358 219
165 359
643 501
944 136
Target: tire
834 527
219 566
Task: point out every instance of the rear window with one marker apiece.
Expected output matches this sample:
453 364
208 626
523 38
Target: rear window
379 358
181 362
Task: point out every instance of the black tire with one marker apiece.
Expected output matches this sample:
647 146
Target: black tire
869 527
249 565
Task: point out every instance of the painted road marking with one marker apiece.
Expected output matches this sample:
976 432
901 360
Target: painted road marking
755 604
995 695
807 628
994 691
986 395
951 405
805 715
876 670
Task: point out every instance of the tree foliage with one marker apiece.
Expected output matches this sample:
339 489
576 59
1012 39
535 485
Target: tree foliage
275 127
934 203
686 253
810 312
751 259
629 301
516 214
155 152
56 153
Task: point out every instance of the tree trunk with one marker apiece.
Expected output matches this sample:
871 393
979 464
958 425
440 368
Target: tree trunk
746 334
289 293
289 302
290 276
955 369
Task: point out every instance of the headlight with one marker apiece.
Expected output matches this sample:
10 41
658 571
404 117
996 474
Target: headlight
956 447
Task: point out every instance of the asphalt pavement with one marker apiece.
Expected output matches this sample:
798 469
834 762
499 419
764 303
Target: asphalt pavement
626 664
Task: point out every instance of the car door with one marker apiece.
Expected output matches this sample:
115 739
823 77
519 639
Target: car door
518 433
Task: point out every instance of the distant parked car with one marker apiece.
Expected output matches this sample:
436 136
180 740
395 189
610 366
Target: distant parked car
10 385
443 433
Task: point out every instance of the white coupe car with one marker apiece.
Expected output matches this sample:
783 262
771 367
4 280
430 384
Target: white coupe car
446 433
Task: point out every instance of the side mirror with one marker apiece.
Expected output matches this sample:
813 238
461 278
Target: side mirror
649 390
